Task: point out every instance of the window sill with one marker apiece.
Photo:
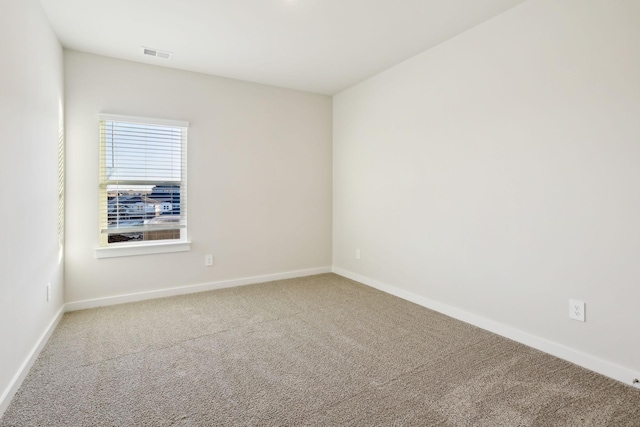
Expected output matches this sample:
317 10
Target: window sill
142 249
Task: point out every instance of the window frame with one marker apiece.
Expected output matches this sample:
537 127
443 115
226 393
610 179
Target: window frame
145 247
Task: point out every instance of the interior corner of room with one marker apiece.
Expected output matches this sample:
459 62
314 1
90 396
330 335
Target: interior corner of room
492 178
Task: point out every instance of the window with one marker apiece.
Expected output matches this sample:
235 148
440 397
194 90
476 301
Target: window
61 188
143 182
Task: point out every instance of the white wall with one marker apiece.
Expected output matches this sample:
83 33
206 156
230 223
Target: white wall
499 174
259 176
31 90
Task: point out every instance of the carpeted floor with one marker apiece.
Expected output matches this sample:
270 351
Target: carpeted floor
320 350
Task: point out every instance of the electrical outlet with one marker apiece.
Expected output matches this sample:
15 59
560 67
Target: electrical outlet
48 291
357 253
208 260
576 310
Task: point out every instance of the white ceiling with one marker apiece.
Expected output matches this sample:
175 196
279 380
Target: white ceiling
321 46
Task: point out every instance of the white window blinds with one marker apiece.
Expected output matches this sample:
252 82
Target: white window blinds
143 179
61 186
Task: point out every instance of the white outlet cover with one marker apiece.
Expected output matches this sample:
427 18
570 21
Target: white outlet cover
576 310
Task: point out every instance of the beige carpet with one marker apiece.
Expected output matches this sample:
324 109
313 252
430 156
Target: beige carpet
321 350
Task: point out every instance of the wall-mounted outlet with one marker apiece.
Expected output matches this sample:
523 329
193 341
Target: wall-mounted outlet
576 310
48 291
357 253
208 260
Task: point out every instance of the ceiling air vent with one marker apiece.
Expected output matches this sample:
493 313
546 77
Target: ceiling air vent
155 52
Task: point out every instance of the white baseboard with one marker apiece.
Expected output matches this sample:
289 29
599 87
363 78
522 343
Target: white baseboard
120 299
15 383
579 358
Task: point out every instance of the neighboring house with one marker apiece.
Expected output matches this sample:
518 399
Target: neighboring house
138 208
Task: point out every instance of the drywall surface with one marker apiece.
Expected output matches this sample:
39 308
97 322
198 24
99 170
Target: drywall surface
498 173
31 108
259 174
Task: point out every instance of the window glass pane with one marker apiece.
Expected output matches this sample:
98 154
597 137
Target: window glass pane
135 205
144 236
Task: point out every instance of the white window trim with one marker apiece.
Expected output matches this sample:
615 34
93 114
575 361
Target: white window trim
116 250
133 249
143 120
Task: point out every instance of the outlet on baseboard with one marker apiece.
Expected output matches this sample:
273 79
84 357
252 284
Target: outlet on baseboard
576 310
357 253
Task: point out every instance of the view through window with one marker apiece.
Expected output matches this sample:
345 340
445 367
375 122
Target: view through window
142 180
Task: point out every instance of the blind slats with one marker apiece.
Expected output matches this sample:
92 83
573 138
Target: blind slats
143 228
61 187
125 185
